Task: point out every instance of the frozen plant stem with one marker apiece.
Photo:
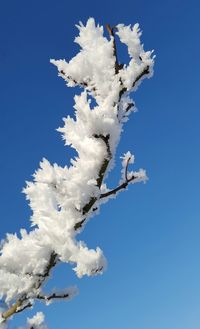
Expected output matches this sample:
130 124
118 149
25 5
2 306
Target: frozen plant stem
63 199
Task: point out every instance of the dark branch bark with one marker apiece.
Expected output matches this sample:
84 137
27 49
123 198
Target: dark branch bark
126 169
129 106
83 84
118 188
143 73
123 185
52 262
102 171
53 296
112 33
106 161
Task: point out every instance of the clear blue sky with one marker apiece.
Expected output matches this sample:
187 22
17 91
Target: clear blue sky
150 234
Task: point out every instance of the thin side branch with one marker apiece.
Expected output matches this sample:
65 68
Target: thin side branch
118 188
121 186
126 169
53 296
82 84
143 73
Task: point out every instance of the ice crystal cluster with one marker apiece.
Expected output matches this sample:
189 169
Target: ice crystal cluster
36 322
62 199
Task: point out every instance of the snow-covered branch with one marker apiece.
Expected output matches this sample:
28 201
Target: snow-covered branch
63 199
127 177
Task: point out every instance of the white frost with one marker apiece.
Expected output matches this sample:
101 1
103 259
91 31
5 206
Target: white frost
62 199
37 321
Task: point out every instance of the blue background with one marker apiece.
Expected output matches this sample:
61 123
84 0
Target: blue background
150 234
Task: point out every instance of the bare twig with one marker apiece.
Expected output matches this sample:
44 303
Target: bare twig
53 296
129 106
121 186
118 188
126 169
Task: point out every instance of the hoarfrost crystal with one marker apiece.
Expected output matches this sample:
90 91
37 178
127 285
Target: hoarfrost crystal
62 199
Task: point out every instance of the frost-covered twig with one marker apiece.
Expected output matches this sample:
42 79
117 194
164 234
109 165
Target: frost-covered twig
64 294
63 199
127 177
